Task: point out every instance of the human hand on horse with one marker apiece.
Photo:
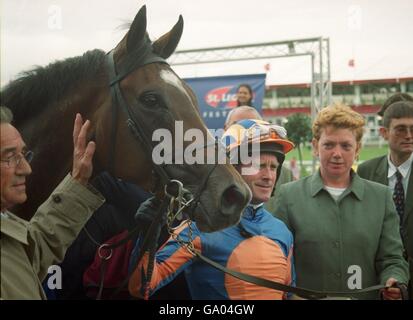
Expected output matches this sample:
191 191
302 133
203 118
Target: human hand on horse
83 152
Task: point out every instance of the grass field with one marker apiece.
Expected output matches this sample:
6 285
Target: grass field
366 153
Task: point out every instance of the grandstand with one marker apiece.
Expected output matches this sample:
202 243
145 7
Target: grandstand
365 96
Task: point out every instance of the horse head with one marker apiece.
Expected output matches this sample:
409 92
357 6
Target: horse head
147 95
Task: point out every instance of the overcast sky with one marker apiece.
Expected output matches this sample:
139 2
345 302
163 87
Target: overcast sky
377 34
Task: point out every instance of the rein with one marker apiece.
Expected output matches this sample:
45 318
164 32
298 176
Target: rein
136 126
301 292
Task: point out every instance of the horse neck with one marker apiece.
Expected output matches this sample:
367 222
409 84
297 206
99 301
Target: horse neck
50 136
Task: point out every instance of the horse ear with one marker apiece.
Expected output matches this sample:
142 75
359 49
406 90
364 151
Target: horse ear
137 30
167 44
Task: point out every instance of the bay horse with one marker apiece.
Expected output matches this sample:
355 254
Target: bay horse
132 84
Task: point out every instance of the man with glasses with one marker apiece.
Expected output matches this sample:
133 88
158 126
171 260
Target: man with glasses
395 169
29 248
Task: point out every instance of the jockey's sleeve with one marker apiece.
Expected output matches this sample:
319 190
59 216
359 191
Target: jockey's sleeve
170 260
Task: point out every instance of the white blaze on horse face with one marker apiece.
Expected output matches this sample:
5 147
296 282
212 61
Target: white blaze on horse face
171 78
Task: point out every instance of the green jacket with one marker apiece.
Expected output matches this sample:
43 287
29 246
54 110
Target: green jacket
330 238
29 248
285 176
376 170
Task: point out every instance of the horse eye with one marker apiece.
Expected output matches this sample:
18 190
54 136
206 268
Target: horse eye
149 99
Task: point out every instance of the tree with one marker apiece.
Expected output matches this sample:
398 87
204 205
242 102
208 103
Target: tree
299 131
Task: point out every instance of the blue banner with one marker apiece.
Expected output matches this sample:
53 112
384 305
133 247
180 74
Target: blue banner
217 95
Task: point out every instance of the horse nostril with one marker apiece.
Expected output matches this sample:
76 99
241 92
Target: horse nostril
232 200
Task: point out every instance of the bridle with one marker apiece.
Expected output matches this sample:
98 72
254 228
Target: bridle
134 123
182 198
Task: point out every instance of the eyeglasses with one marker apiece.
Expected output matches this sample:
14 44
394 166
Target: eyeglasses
402 131
16 159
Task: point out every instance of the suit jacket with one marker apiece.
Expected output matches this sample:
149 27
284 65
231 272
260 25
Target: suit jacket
376 170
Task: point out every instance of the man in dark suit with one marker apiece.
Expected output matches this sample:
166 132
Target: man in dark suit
395 169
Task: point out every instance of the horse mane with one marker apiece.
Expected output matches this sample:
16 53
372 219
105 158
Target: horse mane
36 89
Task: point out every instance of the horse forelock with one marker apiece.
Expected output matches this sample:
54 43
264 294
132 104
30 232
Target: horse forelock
37 89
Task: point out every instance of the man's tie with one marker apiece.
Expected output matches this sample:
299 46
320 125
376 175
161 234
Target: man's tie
398 195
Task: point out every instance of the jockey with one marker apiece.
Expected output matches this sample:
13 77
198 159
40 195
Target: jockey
259 245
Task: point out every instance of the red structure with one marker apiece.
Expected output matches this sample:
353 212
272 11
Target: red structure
365 96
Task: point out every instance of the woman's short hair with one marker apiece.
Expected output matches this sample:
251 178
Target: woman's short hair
339 116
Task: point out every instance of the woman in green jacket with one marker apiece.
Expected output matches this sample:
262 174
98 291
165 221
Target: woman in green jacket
345 228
